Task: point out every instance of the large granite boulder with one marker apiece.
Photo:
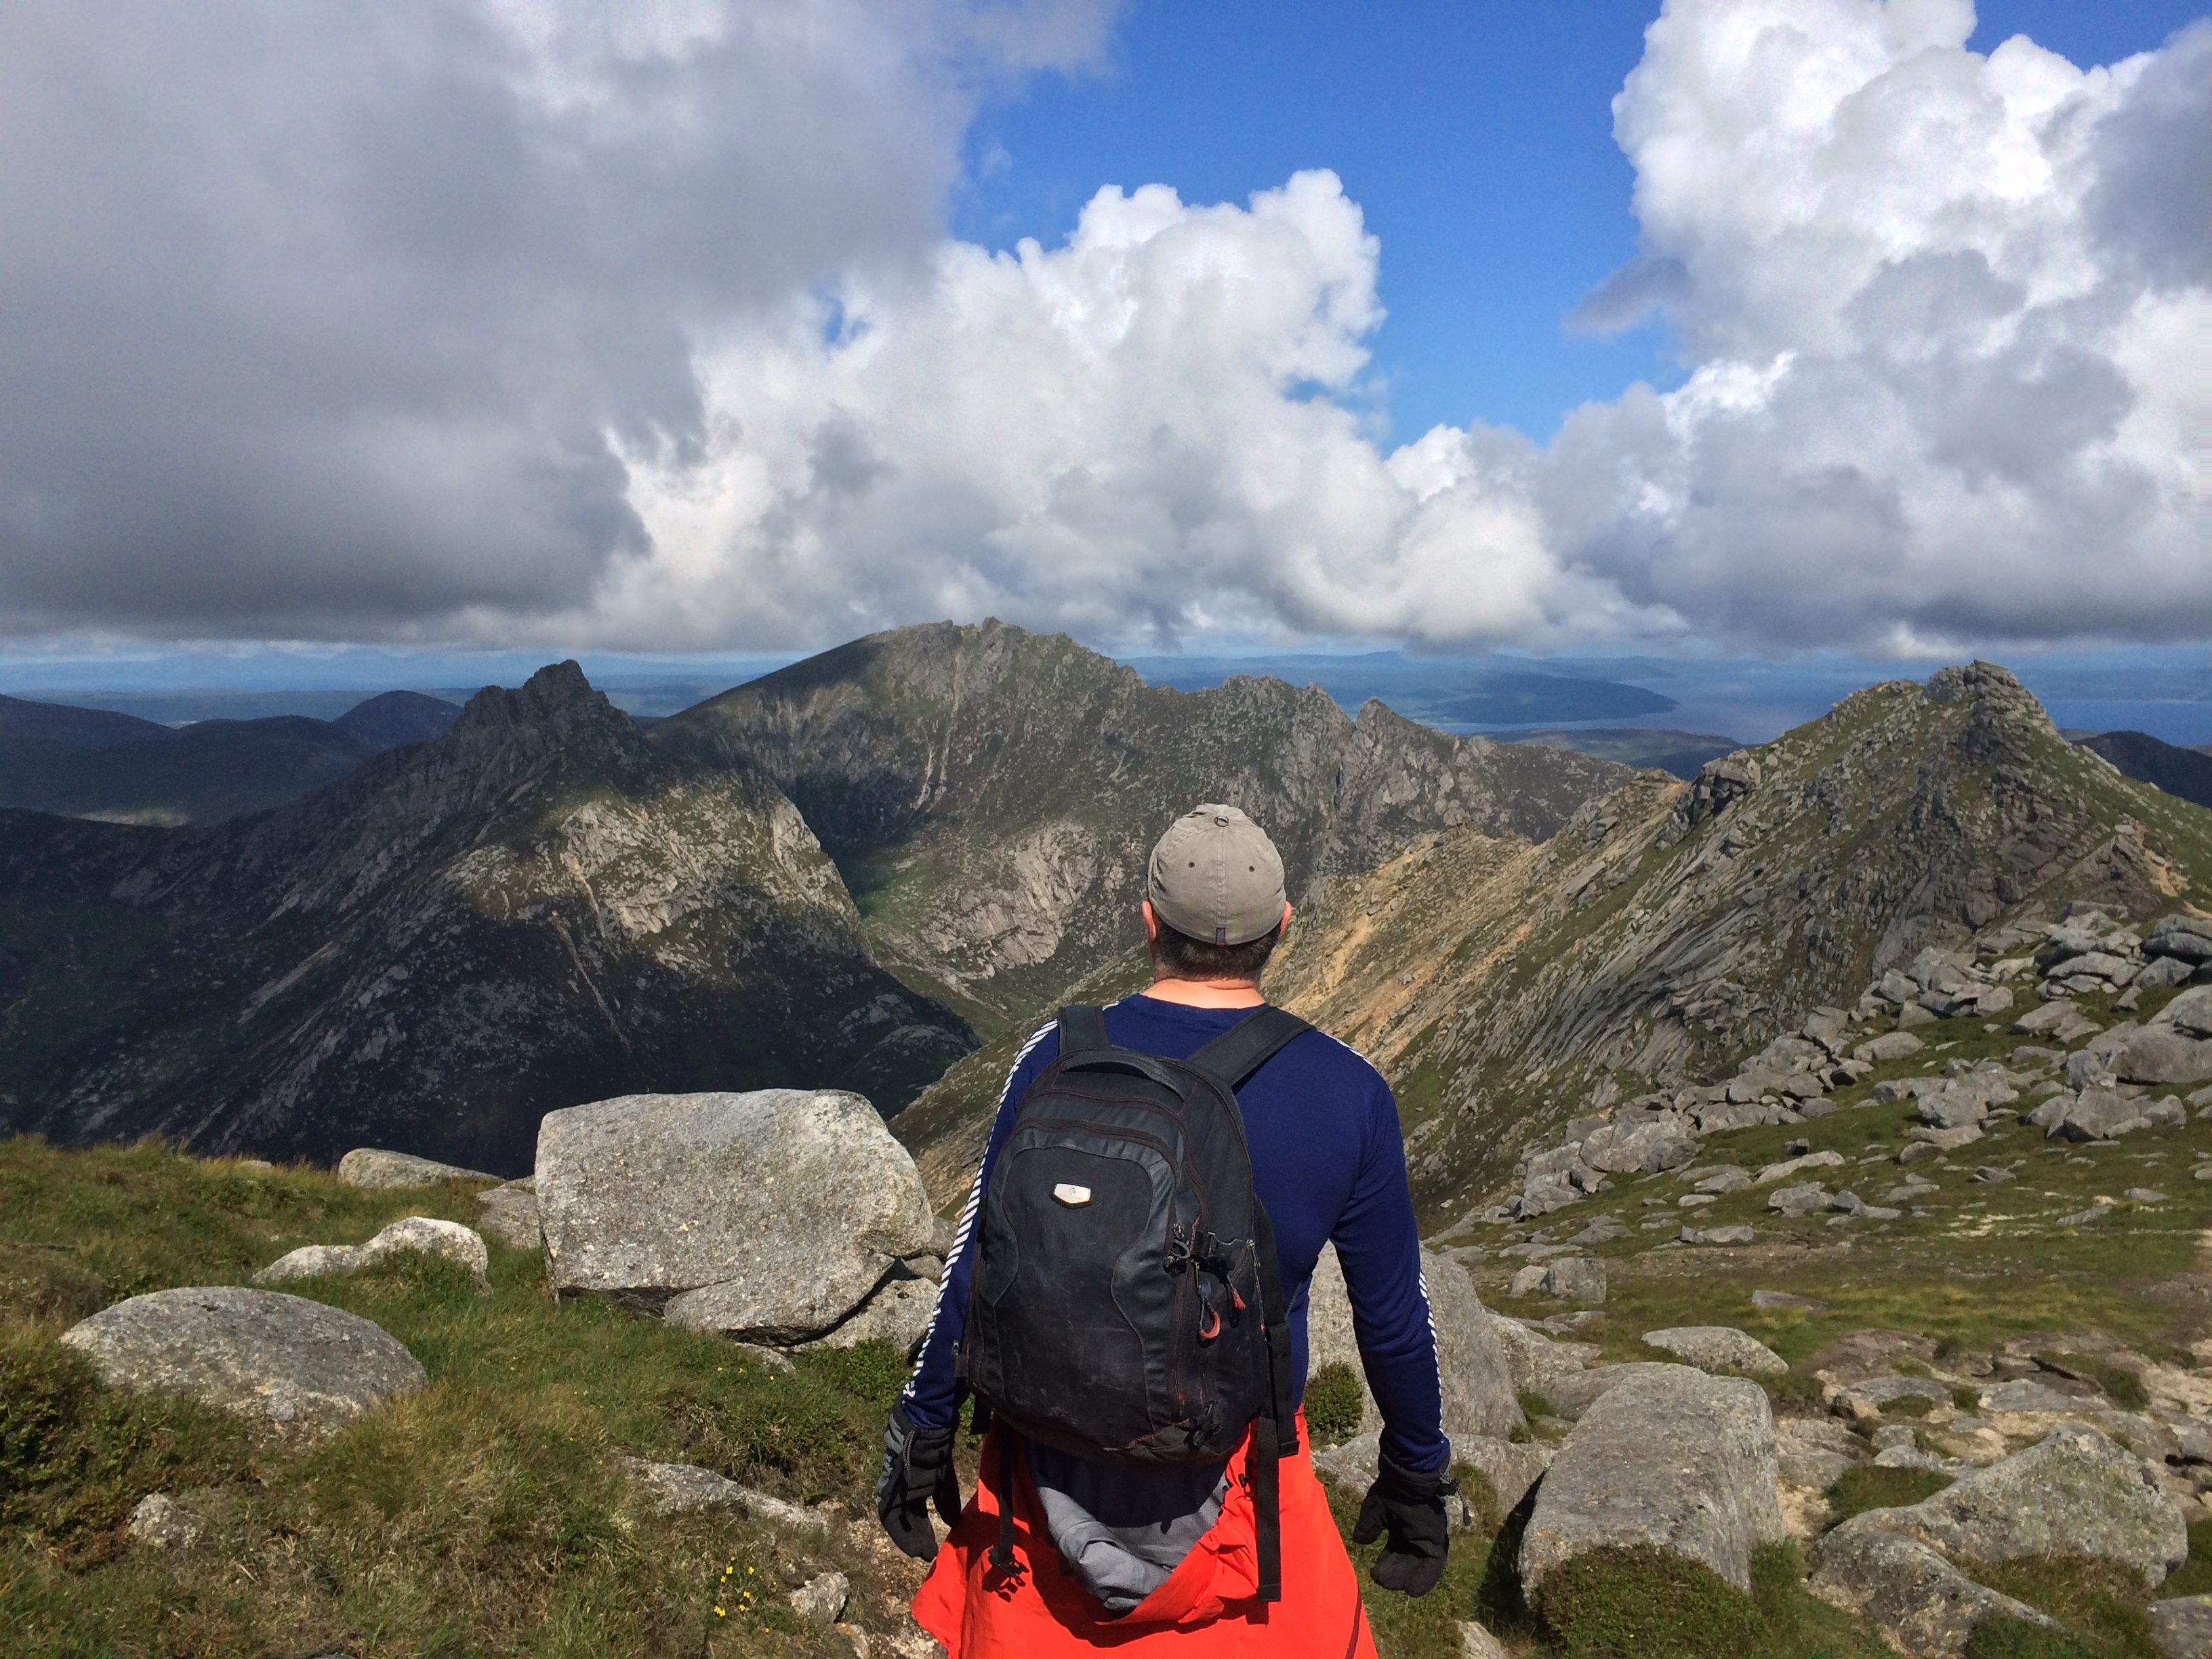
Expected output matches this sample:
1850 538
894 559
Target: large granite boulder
1671 1459
772 1214
1479 1393
2074 1493
417 1234
372 1166
257 1353
1922 1603
1718 1348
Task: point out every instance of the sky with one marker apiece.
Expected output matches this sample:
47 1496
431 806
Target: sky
1724 330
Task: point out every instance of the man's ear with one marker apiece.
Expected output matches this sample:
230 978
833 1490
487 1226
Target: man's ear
1287 914
1152 923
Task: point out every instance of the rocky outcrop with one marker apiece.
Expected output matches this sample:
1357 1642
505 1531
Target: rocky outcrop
2075 1495
256 1353
1671 1459
1479 1396
773 1214
1683 960
1717 1348
510 1214
372 1167
537 908
417 1234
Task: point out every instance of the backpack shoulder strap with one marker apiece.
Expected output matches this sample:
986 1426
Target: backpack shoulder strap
1082 1027
1247 1046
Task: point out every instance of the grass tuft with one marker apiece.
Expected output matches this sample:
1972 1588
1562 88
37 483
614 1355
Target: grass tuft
1864 1487
1335 1401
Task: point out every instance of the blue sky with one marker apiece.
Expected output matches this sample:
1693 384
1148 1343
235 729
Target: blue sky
1478 138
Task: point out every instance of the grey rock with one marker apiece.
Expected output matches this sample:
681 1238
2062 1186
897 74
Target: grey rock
1479 1393
2191 1012
1948 1140
2098 1114
256 1353
161 1521
1511 1468
687 1489
1476 1643
1991 1174
2046 1020
2027 1394
1729 1178
2182 1626
1717 1348
1867 1398
1791 1166
510 1215
1673 1459
420 1234
820 1599
1896 1045
1576 1279
774 1213
2161 972
1907 1457
1535 1359
2074 1493
1526 1282
1570 1396
1667 1144
898 1313
371 1166
1798 1200
2144 1195
1772 1299
2087 1217
2162 1053
2187 938
768 1358
1922 1603
1737 1234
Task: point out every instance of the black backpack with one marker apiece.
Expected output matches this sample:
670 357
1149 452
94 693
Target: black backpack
1125 1302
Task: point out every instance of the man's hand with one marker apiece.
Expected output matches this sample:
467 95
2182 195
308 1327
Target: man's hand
1412 1505
917 1468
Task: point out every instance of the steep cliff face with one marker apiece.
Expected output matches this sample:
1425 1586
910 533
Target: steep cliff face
1670 928
991 794
536 909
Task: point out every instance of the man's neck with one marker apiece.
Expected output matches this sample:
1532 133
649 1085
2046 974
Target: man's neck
1206 993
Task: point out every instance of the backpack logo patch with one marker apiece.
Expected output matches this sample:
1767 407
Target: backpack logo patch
1071 1195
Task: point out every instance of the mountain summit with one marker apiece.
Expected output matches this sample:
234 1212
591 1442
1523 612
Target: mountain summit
1671 928
991 794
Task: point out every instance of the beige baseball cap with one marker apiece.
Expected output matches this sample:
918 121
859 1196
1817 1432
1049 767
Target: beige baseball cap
1217 877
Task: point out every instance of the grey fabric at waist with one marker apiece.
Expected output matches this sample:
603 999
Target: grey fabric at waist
1122 1528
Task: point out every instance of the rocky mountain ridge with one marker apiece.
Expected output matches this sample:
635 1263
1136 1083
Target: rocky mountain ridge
1672 929
990 795
537 908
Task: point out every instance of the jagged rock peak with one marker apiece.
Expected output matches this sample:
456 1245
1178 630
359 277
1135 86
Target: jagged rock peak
1989 686
556 700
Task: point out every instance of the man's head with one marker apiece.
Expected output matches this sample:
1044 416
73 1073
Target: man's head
1214 896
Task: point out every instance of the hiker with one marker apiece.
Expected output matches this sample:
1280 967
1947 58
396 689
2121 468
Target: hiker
1115 1293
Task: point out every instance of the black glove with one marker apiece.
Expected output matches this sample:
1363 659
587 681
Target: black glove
917 1466
1412 1505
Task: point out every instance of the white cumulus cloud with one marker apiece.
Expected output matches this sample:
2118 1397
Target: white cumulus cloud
1948 316
636 327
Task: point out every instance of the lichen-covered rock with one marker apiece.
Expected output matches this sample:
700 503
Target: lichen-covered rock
510 1215
1572 1395
161 1521
1920 1602
2075 1493
416 1233
1480 1395
257 1353
1574 1278
1717 1348
2182 1626
1672 1459
820 1599
372 1166
898 1313
774 1213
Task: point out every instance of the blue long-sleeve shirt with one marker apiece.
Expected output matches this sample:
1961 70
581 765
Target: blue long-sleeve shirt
1328 1161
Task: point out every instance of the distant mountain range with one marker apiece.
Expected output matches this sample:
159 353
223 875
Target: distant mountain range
537 908
1681 753
2184 772
96 763
549 904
